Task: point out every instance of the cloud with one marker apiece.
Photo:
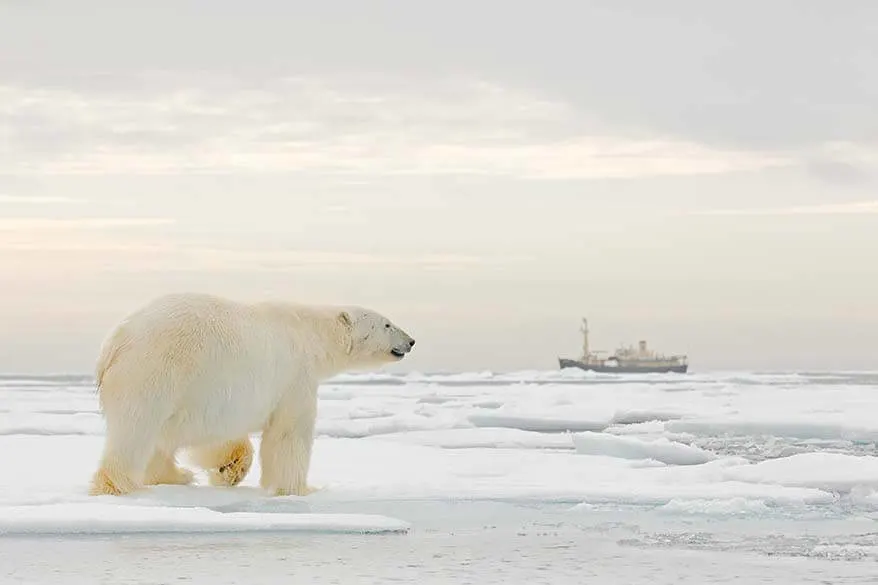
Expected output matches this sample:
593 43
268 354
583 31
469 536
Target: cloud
283 260
65 246
854 208
633 67
355 127
598 157
36 200
844 163
85 223
164 257
839 172
99 237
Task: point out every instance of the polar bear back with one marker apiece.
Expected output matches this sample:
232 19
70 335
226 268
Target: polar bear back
218 365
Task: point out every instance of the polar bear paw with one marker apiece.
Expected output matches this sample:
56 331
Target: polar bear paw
177 476
227 464
106 483
302 491
232 473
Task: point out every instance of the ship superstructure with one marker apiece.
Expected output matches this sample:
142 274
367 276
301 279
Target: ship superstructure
626 359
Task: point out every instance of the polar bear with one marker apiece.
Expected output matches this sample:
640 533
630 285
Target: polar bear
199 372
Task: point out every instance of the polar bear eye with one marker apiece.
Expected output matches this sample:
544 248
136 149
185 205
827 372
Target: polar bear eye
387 325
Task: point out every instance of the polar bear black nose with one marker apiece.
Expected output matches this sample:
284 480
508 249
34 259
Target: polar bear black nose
412 343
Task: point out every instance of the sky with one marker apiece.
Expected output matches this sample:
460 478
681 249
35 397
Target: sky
700 175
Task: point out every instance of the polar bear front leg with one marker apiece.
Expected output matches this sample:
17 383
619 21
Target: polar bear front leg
287 440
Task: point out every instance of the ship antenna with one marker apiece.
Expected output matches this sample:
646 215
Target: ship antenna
585 349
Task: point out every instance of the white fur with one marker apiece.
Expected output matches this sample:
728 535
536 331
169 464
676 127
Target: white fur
195 371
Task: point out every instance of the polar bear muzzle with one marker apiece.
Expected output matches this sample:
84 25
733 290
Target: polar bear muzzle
400 351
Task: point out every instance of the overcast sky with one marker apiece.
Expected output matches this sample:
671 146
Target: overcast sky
700 174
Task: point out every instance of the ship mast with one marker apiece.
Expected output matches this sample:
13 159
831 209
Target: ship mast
584 329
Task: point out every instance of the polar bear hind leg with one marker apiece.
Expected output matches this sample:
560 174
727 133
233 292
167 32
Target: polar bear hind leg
227 464
125 460
134 422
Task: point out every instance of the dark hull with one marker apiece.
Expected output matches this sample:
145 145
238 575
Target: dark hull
567 363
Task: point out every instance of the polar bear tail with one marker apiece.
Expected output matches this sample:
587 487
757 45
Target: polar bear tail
111 349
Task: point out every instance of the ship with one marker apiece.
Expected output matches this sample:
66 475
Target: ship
625 360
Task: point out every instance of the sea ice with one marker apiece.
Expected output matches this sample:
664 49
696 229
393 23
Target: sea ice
660 449
703 445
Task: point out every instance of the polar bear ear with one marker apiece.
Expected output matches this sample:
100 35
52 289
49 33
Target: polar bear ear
345 319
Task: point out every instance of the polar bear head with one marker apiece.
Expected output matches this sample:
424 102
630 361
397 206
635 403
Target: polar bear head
373 338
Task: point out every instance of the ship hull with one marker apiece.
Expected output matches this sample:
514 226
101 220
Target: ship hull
568 363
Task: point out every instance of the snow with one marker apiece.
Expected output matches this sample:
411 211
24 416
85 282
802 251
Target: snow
120 519
536 424
825 471
633 461
660 449
485 438
734 506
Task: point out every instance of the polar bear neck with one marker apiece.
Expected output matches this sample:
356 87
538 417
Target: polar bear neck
315 329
